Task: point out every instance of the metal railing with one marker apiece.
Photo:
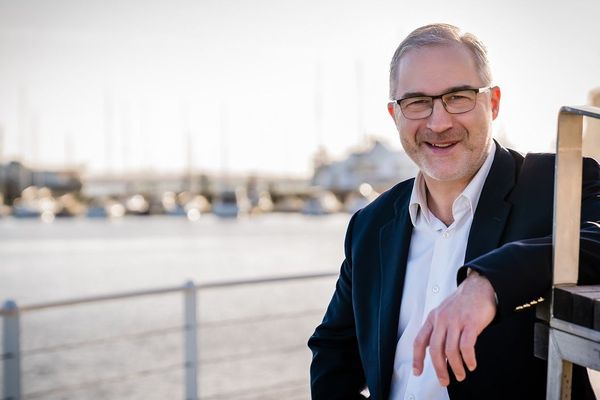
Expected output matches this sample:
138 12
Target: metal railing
568 344
11 314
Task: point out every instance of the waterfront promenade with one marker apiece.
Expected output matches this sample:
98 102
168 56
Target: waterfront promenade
252 340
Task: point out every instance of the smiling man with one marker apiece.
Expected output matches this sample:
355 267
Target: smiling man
434 298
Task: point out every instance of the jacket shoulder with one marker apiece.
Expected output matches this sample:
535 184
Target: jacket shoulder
389 203
548 161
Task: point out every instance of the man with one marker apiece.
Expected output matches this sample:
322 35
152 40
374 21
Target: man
434 298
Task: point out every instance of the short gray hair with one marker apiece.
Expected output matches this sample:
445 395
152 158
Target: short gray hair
441 34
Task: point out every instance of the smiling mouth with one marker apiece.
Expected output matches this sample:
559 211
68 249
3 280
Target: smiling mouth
441 145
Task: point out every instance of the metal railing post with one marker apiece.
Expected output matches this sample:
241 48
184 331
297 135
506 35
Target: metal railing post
12 352
565 238
190 338
11 386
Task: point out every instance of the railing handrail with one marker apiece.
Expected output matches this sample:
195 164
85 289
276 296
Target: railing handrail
164 290
11 314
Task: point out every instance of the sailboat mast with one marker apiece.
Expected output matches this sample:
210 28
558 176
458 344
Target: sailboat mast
319 105
224 138
188 144
108 130
360 102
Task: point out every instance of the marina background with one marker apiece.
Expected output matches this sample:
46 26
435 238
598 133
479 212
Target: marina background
257 87
265 356
129 129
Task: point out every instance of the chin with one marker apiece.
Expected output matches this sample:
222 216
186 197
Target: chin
444 173
444 177
448 174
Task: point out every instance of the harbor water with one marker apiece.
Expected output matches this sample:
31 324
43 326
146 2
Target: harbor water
252 339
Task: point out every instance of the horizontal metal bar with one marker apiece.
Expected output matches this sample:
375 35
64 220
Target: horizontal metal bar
242 282
165 290
93 299
164 331
586 111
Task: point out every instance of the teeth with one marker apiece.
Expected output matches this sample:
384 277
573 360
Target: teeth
441 145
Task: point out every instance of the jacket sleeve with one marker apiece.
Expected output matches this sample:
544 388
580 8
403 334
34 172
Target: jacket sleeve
521 271
336 371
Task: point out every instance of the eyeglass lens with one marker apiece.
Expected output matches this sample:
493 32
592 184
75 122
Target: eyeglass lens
455 103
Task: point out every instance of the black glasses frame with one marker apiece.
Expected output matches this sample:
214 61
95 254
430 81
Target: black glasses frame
441 96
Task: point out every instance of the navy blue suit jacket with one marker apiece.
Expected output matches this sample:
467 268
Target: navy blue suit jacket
509 242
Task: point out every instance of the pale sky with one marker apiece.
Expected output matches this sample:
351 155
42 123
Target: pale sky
117 84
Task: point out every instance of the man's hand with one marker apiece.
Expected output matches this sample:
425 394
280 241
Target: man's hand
451 329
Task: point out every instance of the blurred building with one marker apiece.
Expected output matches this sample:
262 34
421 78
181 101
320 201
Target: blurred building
378 165
15 177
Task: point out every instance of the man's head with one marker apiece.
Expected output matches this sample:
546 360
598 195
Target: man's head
448 136
442 34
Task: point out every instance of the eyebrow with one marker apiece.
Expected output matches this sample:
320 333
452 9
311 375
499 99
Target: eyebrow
449 90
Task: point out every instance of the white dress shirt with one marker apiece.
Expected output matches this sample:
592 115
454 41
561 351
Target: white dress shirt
435 254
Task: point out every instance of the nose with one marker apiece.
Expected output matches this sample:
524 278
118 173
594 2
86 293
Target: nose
440 120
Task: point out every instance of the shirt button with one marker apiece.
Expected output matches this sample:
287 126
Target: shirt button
445 235
411 397
435 289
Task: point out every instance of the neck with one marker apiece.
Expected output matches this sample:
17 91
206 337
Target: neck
441 196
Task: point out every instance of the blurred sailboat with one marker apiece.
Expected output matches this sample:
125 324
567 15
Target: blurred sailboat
321 202
105 207
35 202
360 198
230 203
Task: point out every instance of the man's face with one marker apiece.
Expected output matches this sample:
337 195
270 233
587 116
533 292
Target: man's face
445 147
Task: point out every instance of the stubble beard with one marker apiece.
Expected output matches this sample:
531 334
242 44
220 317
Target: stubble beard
462 166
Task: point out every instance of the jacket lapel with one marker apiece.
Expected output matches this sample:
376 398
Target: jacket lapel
394 241
492 209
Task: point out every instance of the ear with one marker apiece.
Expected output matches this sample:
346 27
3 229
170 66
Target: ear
391 110
495 95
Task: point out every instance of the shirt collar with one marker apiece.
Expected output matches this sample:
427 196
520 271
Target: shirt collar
465 202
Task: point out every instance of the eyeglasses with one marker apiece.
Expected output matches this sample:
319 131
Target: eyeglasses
455 102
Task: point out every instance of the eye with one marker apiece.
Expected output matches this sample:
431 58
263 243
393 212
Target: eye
416 102
459 97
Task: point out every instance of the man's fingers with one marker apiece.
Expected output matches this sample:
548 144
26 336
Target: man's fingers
437 351
420 345
467 348
451 329
453 354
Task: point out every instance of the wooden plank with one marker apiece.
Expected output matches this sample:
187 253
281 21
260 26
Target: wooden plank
577 349
576 330
542 309
540 340
596 325
558 386
577 304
